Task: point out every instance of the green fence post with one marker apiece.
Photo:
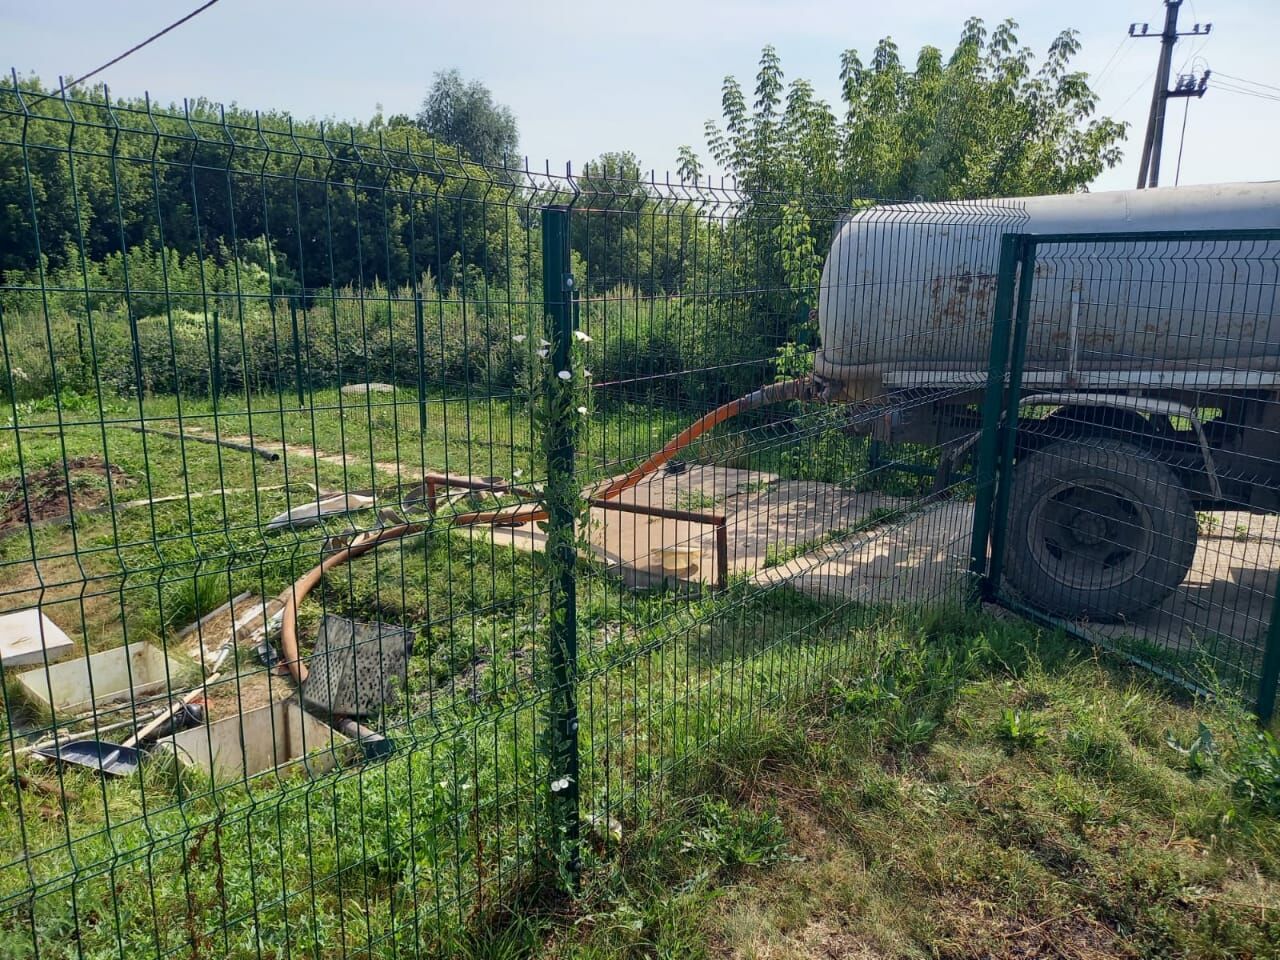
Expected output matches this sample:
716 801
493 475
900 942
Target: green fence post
297 352
215 370
1009 424
988 444
420 339
562 500
1266 705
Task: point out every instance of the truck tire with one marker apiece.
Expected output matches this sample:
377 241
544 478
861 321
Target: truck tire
1097 530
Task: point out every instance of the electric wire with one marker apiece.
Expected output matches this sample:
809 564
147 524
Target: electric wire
1097 80
134 49
1182 139
1252 83
1231 88
1145 80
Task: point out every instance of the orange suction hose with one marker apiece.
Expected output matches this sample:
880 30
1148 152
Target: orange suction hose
298 591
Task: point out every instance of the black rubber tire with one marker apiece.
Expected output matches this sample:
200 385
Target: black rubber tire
1097 530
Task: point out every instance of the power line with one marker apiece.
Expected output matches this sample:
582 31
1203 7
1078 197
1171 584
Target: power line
1182 139
1145 81
1260 94
1257 94
135 48
1097 80
1252 83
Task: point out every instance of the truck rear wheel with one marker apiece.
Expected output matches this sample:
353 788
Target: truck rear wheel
1097 529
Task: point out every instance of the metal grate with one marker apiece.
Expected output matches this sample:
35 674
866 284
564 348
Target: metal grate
356 668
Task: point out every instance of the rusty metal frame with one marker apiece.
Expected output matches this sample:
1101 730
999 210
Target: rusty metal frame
433 482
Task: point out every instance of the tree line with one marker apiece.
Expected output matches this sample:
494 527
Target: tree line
118 206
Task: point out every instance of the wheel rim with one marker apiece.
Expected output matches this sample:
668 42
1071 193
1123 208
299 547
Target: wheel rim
1090 535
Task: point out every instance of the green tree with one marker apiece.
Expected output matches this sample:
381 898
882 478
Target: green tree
980 123
464 114
315 204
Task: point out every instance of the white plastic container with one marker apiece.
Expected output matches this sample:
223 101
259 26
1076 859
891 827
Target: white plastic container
123 673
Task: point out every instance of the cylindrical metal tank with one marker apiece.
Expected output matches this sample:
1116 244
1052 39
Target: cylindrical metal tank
912 285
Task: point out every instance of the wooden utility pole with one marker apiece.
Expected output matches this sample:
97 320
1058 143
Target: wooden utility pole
1149 172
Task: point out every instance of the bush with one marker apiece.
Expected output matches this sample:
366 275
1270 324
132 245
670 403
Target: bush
186 325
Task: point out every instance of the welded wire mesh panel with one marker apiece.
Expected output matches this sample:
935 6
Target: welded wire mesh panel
1144 487
235 349
376 521
804 483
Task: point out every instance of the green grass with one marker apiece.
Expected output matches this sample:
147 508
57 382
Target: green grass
697 500
1050 811
778 554
764 774
897 784
136 560
170 862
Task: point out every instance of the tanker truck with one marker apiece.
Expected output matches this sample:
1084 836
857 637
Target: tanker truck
1150 383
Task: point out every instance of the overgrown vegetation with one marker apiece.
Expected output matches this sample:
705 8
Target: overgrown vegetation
986 792
223 273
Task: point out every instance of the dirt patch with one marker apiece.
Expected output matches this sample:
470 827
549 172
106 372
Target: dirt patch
818 939
255 686
244 682
977 929
238 623
74 486
84 607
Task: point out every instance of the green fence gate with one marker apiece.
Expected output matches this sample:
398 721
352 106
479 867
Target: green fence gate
1129 462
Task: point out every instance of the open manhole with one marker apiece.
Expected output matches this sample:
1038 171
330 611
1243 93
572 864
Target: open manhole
280 736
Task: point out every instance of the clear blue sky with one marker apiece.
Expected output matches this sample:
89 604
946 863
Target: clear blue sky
583 78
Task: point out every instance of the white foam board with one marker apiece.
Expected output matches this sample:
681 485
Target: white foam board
28 636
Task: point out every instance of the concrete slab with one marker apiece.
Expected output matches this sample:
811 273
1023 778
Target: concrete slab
278 736
698 487
791 516
1228 593
764 518
360 389
911 557
647 551
921 557
29 637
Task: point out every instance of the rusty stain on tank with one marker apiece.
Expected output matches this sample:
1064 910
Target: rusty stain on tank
960 298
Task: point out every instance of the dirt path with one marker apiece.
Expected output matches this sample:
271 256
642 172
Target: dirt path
300 451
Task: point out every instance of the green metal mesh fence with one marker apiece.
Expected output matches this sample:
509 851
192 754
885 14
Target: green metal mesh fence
381 530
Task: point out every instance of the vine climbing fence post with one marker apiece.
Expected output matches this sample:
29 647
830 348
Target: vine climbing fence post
562 498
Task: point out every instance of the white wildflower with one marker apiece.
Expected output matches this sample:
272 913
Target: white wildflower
583 411
519 338
586 373
543 343
517 473
565 375
544 353
561 784
582 335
